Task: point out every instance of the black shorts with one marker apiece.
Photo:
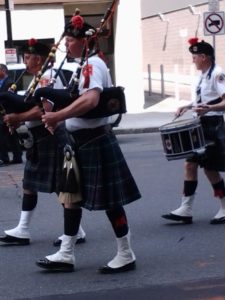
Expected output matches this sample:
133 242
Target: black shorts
214 133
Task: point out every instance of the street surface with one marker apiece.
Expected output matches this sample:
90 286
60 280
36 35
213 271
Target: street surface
174 262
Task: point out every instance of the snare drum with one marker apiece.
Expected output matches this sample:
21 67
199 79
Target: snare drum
182 139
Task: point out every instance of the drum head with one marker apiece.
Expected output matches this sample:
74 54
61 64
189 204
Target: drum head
186 123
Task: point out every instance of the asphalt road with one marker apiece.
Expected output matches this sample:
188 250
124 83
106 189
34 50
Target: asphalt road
173 261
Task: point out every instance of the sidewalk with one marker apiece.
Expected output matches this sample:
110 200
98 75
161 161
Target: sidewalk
151 118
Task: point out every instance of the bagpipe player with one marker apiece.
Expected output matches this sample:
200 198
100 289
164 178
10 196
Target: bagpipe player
106 181
44 158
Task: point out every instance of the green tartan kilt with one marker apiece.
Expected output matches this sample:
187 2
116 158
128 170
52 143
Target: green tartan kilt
44 163
106 180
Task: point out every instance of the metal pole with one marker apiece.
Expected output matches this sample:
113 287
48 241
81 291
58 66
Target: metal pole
8 25
149 80
176 81
162 82
214 43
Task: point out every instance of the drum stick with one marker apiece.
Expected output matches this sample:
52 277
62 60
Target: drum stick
190 107
176 117
179 115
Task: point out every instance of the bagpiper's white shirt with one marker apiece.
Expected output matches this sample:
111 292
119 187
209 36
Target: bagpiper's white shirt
99 78
211 88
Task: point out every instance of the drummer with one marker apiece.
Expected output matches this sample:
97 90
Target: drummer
209 106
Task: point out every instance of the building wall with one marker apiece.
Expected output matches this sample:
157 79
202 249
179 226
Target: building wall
165 43
128 54
150 8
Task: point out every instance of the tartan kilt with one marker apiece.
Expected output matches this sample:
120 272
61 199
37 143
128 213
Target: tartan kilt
106 180
44 163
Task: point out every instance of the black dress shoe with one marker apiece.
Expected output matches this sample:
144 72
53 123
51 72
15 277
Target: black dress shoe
54 266
58 242
12 240
108 270
218 221
170 216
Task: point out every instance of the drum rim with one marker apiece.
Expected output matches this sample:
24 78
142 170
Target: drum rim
186 154
193 124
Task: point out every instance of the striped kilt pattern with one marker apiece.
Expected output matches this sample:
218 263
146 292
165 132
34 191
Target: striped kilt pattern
44 163
106 180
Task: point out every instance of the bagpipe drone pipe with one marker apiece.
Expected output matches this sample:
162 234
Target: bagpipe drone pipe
112 100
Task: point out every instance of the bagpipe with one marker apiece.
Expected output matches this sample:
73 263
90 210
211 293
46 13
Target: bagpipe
11 102
112 99
14 103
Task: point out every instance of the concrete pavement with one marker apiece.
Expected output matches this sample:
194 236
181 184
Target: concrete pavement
203 290
212 288
151 118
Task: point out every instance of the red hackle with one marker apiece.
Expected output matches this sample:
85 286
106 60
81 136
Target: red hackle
193 41
77 22
32 42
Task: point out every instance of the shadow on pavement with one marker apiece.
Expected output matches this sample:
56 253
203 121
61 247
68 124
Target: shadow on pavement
201 290
153 98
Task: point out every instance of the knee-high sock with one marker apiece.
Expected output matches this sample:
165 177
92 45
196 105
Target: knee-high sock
219 189
118 220
190 187
72 218
29 202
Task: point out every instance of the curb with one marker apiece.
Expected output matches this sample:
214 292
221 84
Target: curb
135 130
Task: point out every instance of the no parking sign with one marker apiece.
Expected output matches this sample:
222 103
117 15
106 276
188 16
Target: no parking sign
214 23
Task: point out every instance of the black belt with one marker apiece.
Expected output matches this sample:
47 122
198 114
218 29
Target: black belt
211 120
90 133
218 100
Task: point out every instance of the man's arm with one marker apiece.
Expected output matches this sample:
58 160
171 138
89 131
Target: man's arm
15 119
205 108
82 105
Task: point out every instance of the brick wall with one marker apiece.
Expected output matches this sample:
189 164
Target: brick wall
165 43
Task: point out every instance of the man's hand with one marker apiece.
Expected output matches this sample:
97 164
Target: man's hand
50 120
181 110
12 120
201 109
47 105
